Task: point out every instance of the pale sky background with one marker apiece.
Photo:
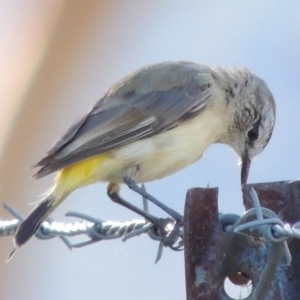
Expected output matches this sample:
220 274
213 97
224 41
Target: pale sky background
58 57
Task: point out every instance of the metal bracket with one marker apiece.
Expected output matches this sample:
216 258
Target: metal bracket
211 254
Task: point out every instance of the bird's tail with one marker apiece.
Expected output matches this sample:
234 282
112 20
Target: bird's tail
31 224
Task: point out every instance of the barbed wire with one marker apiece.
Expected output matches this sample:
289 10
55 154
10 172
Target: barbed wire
97 230
256 220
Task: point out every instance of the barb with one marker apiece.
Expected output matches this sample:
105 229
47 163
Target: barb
271 229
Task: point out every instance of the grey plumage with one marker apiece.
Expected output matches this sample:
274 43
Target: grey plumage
155 99
137 107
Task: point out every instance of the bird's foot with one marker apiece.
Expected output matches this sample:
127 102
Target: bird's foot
170 232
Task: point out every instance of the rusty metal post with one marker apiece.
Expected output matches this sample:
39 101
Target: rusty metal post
204 245
212 255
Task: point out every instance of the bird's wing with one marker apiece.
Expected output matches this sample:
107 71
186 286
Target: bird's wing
146 103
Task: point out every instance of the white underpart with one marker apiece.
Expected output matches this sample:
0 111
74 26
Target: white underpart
165 153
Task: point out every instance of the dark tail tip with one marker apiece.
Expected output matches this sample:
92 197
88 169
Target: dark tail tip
12 253
31 224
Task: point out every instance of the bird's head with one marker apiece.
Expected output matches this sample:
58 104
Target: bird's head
253 119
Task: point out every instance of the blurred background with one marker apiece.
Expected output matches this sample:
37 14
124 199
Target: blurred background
58 57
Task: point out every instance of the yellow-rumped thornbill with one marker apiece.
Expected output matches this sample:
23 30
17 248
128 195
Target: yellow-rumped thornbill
151 124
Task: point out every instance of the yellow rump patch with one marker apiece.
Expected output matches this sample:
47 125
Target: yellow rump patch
81 173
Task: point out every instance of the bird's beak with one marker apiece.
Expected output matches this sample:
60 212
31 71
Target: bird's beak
246 163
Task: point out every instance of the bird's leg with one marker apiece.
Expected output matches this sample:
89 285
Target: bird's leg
113 190
130 182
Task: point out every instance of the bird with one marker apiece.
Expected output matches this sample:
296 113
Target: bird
151 124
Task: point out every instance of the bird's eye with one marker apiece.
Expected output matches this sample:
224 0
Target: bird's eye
253 134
